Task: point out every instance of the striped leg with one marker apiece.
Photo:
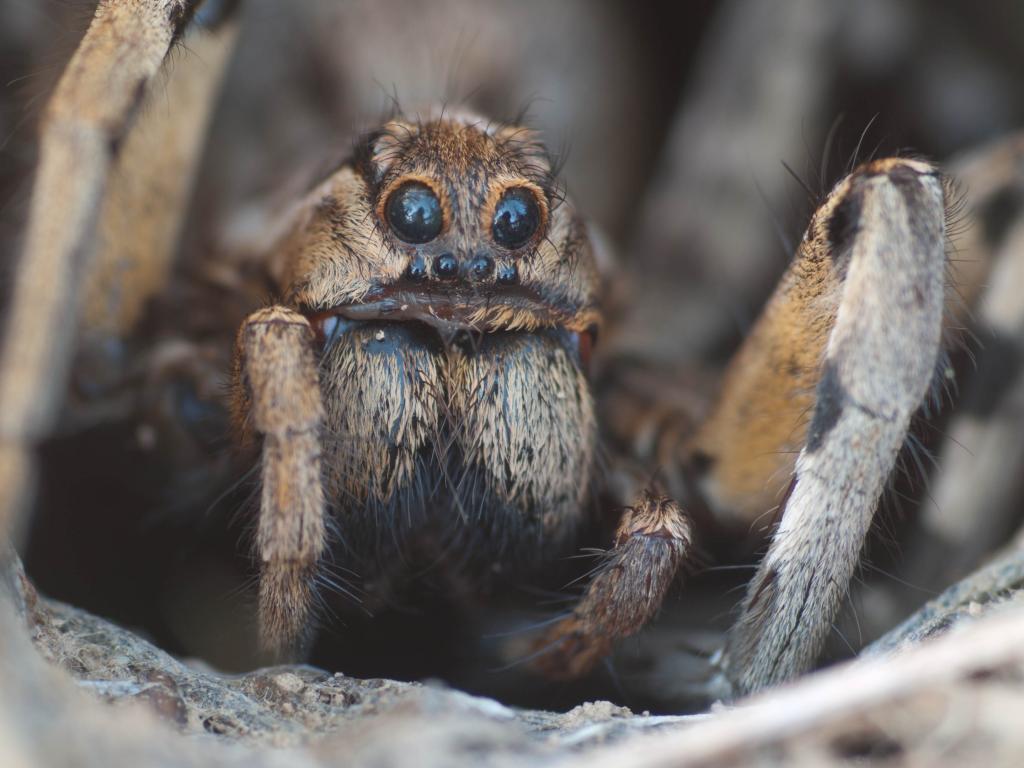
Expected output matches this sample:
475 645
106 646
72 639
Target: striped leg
835 368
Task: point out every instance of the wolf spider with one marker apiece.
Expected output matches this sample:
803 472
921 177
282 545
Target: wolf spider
422 389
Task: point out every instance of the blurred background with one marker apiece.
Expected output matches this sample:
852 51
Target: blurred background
674 121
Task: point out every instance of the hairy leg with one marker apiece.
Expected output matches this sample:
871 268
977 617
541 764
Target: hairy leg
276 400
87 118
873 259
653 540
150 182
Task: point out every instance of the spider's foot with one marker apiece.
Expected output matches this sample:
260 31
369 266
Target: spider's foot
568 650
718 686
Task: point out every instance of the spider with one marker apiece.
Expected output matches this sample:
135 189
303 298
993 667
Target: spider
429 384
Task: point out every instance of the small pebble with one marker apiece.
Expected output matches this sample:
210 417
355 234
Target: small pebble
289 682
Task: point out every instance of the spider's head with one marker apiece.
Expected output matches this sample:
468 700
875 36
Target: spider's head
453 222
454 294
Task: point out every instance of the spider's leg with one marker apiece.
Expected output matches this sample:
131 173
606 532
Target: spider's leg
853 336
653 540
83 127
149 185
973 503
276 400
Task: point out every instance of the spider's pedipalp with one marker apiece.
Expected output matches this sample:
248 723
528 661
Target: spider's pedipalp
653 541
882 231
89 114
276 399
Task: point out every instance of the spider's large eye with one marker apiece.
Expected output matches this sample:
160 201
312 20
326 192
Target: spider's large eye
516 217
414 213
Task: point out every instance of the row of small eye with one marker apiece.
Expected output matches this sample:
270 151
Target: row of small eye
414 214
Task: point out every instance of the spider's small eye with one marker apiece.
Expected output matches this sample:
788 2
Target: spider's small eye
516 217
414 213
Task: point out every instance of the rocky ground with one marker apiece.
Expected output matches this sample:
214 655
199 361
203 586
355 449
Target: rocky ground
75 690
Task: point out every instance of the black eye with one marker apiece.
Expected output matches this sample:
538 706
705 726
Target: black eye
516 217
414 213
